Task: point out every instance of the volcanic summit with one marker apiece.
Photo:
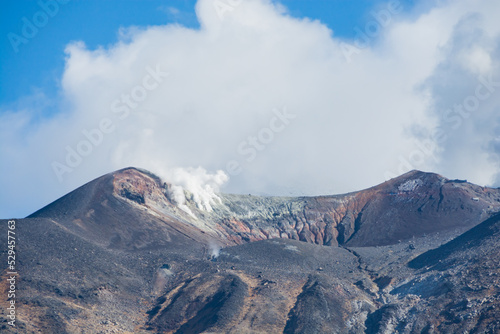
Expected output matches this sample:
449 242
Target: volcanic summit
416 254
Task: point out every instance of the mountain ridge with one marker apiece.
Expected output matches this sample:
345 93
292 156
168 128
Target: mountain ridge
347 219
415 254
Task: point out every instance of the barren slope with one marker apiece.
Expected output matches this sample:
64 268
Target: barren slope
418 253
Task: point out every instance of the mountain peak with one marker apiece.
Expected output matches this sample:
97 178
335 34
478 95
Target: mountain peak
126 250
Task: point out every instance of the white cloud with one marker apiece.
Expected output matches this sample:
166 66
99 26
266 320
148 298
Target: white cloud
478 61
353 122
466 90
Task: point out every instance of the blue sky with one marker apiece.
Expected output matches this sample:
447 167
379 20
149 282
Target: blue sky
38 64
298 100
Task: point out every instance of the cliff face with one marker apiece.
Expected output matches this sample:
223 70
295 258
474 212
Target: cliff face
416 254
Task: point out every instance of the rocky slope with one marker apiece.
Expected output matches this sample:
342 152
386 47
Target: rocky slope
416 254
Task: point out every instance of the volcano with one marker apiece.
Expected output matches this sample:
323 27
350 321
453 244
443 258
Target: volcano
416 254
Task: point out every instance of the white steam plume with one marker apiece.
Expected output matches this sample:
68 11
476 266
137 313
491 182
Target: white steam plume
214 249
200 185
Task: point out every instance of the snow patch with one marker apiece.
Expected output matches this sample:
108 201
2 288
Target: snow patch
292 248
410 185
